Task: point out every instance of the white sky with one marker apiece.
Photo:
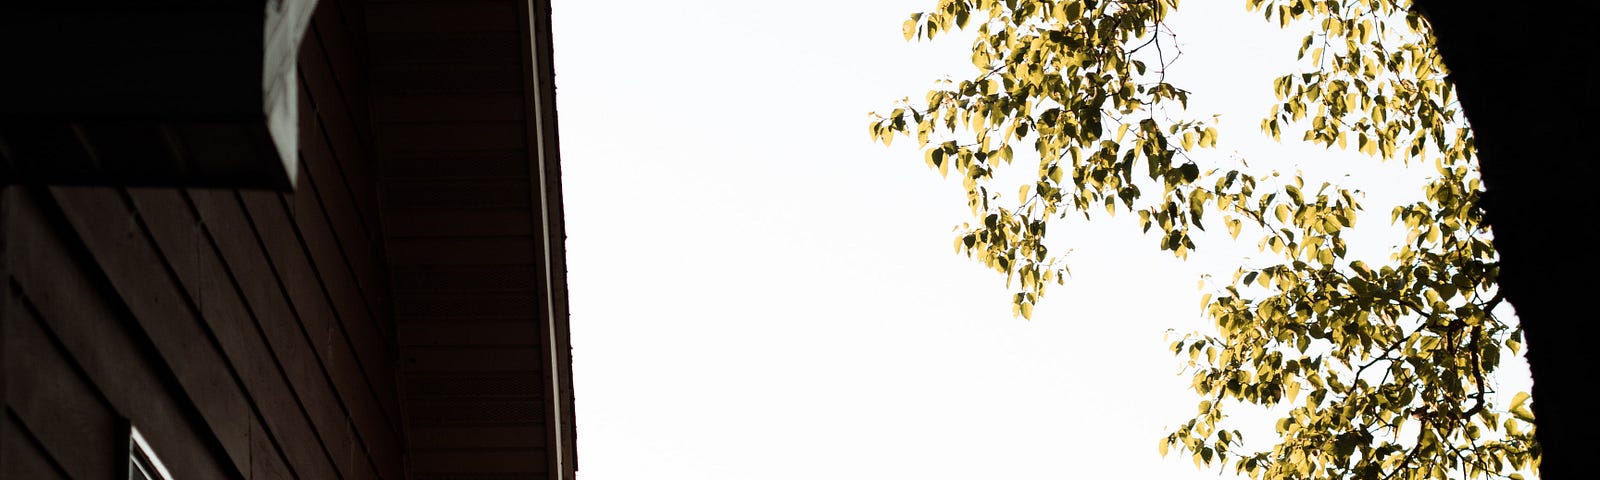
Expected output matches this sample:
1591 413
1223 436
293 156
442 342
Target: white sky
760 292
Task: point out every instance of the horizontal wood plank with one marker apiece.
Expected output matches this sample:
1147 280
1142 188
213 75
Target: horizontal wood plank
449 107
475 193
471 385
455 413
444 137
458 222
478 461
515 436
470 359
390 48
464 279
442 17
422 165
460 251
420 78
468 333
483 305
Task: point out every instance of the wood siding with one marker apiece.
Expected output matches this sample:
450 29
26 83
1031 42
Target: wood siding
247 334
412 286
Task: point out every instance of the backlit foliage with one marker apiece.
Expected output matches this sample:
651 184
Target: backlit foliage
1381 371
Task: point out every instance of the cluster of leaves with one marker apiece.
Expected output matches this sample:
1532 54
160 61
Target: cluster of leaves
1073 77
1383 370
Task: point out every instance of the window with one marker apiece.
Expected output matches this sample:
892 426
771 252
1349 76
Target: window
142 461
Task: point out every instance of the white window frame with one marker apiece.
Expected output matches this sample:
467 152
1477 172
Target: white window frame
142 461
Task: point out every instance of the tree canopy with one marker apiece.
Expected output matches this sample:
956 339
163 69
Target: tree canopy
1382 370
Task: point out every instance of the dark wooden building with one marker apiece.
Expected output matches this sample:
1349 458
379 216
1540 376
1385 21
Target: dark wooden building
282 239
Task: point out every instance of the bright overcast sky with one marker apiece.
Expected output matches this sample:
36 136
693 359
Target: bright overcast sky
760 292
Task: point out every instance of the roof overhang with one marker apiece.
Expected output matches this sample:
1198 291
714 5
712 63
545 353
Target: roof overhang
151 93
546 158
465 136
